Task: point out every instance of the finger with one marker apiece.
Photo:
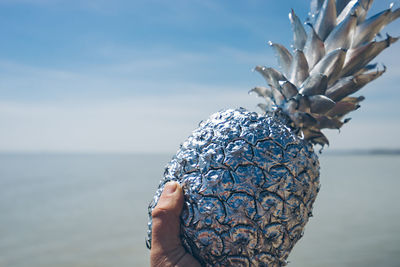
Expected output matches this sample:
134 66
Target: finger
166 218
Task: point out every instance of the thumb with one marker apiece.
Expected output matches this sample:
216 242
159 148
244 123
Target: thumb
166 218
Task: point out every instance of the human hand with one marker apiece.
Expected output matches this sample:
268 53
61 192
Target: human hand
166 247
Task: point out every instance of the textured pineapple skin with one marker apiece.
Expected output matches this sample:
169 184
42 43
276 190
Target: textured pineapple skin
249 185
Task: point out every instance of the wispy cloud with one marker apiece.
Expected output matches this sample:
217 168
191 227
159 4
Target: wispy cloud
128 72
145 124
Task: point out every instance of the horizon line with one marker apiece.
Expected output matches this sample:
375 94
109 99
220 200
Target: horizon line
350 151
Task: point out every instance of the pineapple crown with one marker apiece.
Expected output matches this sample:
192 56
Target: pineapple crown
329 63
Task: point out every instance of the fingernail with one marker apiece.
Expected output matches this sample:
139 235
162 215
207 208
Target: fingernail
170 187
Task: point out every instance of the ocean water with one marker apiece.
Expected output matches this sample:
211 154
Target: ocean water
91 210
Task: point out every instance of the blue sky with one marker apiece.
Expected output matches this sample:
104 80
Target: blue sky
138 76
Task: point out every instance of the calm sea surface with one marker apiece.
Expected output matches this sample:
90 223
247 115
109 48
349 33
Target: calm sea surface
91 210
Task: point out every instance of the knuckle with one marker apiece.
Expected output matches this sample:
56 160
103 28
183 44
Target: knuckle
159 212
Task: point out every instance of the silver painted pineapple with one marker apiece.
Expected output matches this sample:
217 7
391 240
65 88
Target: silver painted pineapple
249 179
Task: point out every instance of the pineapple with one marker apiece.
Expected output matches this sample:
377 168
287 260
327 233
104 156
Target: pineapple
250 179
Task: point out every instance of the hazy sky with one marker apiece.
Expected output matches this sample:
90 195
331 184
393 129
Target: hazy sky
138 76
